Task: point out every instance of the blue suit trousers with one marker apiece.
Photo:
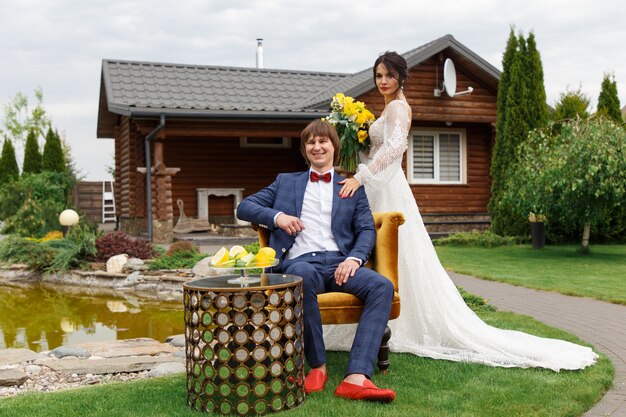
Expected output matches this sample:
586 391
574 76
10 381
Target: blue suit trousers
317 270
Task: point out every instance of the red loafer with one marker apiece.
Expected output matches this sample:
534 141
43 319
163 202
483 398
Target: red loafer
314 381
368 391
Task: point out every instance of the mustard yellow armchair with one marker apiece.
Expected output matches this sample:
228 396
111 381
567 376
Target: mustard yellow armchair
341 308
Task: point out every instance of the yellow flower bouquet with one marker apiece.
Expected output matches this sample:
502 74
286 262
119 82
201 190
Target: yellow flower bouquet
352 121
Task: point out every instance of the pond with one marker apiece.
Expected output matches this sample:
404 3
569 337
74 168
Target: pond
42 317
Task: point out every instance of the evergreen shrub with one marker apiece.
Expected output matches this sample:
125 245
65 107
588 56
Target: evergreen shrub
30 206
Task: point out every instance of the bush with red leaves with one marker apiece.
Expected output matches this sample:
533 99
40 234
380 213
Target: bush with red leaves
182 246
117 243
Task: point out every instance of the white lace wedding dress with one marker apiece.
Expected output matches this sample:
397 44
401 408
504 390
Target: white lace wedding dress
434 320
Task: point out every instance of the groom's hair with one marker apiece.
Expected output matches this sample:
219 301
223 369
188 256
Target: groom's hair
320 128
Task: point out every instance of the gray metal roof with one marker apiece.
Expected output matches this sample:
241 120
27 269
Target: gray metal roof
146 85
148 89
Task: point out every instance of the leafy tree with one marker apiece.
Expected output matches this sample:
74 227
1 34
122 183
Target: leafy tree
32 157
608 101
522 109
9 171
53 159
577 178
20 118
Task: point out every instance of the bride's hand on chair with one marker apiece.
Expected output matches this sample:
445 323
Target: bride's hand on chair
350 185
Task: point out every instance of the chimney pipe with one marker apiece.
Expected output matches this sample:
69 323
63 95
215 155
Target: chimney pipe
259 53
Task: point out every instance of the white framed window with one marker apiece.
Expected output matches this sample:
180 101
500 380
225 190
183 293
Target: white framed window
437 156
275 142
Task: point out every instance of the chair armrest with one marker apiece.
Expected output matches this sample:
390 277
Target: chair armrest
264 235
384 258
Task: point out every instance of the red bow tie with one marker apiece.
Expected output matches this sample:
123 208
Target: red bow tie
315 177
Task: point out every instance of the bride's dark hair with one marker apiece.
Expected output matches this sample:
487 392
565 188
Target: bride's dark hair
396 65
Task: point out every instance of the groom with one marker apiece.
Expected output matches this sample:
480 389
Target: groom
326 240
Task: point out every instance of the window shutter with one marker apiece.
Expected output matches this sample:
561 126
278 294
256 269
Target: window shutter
423 157
449 157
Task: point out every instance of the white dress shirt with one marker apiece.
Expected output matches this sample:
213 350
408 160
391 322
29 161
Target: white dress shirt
316 215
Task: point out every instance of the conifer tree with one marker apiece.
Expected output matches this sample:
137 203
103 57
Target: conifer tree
608 101
572 104
9 171
53 159
500 149
517 121
521 107
32 157
538 107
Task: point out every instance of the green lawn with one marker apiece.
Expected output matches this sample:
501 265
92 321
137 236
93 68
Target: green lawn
600 275
424 387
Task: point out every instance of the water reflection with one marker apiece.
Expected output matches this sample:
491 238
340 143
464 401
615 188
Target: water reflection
41 318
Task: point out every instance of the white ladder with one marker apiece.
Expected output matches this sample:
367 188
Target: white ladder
108 202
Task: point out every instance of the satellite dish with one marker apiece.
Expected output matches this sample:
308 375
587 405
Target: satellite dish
449 78
449 81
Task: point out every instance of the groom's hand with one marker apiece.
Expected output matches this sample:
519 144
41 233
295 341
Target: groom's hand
345 271
290 224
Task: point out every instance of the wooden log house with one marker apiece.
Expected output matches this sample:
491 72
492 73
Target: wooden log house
224 128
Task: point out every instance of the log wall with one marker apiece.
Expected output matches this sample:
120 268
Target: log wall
209 154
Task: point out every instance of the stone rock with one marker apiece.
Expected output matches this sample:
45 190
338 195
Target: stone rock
127 347
177 340
180 354
17 355
167 368
134 264
32 369
12 377
130 280
5 392
63 351
109 365
203 268
116 263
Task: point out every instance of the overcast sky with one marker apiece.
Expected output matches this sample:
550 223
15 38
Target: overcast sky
59 45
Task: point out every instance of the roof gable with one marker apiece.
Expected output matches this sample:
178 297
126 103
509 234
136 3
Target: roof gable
362 82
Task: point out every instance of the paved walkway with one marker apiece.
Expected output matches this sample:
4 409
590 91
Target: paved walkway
598 323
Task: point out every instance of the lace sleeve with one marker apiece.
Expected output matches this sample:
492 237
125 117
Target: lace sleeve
395 134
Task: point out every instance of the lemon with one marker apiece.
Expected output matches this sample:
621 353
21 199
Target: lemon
265 256
249 259
267 251
220 257
228 264
237 252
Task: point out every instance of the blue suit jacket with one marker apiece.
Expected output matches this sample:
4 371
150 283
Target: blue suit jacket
352 221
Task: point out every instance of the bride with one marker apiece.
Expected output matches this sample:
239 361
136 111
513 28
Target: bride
434 322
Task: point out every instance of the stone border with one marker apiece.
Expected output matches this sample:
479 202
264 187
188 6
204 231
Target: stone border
22 370
165 286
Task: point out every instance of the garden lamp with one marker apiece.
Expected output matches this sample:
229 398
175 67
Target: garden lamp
68 218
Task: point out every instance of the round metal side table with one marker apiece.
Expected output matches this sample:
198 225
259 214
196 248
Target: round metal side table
244 344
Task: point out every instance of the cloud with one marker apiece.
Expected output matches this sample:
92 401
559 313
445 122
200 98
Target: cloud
59 45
